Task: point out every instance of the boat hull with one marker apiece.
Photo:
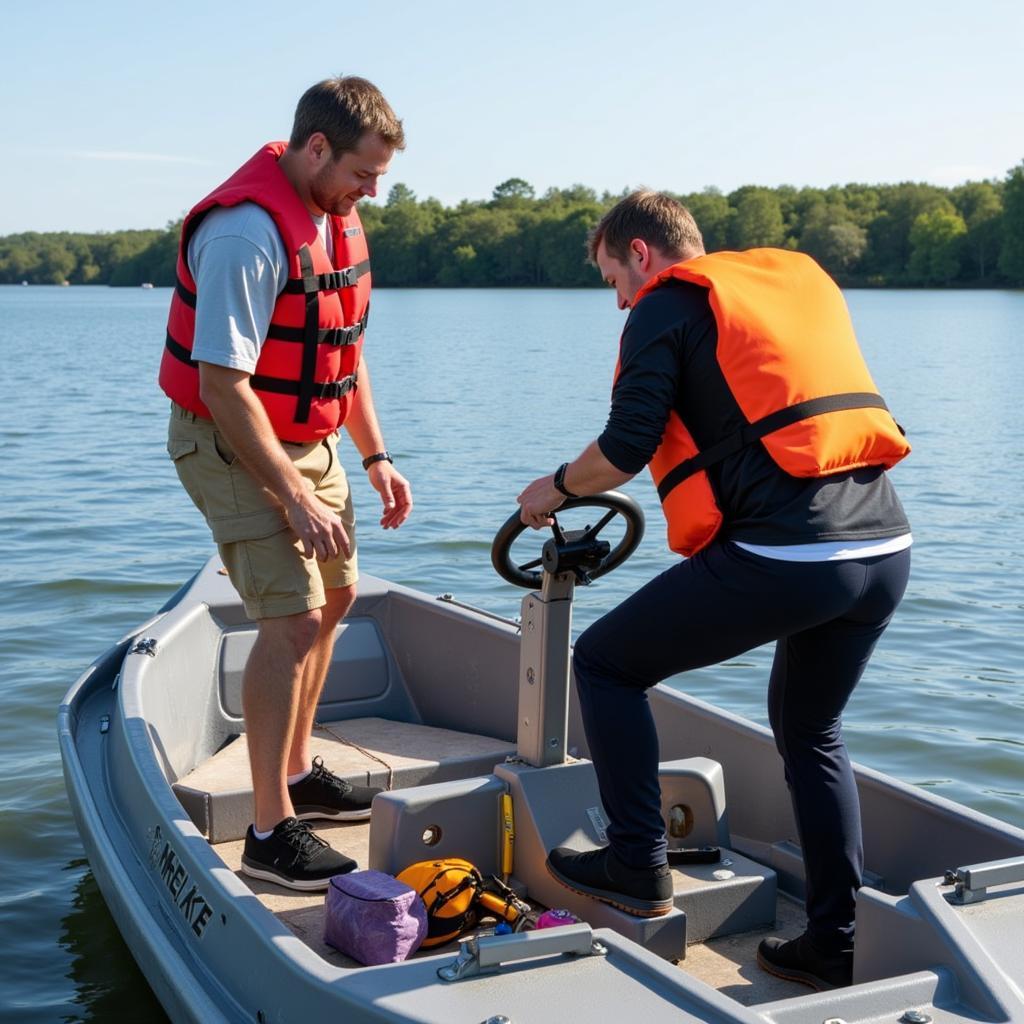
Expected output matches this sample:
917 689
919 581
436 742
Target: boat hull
143 714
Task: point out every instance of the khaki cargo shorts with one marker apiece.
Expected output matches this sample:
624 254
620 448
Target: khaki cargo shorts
262 555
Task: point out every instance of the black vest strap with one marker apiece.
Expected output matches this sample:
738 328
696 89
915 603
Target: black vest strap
180 352
184 293
310 337
346 277
332 389
325 335
760 428
277 385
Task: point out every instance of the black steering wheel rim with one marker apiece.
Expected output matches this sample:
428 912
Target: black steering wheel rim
614 501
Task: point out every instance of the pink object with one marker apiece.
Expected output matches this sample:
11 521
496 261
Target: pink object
554 918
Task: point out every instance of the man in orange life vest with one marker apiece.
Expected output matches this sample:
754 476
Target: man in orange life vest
263 363
741 386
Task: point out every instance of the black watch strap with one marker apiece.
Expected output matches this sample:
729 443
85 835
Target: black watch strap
559 481
384 456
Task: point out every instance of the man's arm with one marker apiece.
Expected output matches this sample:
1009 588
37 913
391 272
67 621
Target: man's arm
591 473
241 418
364 429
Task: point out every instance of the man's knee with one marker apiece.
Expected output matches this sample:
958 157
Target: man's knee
296 633
585 657
601 660
339 601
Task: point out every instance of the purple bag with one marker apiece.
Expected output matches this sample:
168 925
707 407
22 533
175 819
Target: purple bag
373 917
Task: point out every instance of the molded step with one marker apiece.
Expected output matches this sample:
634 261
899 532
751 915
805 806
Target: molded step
217 794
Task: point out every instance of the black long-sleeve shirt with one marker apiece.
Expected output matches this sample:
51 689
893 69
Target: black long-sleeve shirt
668 362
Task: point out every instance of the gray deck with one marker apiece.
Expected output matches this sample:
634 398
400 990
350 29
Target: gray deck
727 964
359 749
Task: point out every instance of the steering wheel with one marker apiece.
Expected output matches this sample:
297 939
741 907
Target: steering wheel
579 551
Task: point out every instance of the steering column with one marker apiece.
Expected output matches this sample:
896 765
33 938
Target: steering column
568 558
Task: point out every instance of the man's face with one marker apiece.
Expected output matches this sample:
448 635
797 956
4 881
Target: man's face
626 278
340 183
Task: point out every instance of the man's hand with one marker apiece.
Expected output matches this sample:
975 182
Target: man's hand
538 501
318 528
395 494
591 473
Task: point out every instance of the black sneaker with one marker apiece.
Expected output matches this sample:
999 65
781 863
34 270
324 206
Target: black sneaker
295 856
644 892
321 794
799 960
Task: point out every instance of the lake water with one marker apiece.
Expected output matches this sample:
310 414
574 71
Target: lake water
479 392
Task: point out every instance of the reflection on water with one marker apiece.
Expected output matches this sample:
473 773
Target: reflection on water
109 987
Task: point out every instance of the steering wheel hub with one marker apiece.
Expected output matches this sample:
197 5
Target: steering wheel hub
579 554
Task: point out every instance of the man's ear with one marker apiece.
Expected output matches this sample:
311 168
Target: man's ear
639 254
317 147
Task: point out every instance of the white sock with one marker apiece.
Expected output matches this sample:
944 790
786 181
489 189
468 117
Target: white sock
298 777
261 835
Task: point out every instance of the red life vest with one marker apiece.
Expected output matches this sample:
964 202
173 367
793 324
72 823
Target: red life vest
306 372
788 353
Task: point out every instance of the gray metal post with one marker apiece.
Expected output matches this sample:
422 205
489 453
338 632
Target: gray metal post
544 672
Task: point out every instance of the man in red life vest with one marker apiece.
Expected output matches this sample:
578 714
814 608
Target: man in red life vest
263 363
740 385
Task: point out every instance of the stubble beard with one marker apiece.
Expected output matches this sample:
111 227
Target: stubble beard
337 206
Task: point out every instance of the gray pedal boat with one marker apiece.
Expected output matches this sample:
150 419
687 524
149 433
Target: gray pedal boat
448 708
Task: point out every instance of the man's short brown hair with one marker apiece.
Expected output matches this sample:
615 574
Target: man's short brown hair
656 218
345 109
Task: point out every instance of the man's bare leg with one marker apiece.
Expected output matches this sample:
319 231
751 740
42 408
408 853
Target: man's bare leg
339 601
271 688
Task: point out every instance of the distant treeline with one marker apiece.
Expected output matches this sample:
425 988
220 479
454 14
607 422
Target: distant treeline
874 235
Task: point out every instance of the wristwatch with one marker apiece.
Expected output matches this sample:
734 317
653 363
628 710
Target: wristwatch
559 481
384 456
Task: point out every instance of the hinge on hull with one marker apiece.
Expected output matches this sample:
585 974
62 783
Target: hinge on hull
972 883
146 645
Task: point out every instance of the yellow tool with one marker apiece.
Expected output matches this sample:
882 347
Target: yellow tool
508 835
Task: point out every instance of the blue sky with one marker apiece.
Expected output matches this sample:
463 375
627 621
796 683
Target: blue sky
119 115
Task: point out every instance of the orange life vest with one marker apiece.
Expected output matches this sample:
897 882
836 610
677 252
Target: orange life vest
788 353
306 372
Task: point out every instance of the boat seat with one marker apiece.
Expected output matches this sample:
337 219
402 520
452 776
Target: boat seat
217 794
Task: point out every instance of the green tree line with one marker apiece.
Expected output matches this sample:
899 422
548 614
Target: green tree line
908 234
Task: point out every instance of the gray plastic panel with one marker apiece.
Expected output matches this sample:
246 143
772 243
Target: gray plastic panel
358 669
561 806
623 984
464 815
944 834
735 895
460 666
695 787
980 942
931 993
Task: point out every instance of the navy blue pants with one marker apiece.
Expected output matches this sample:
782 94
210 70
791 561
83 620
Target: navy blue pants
826 618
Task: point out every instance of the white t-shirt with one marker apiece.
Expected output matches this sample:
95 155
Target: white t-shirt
240 266
829 550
